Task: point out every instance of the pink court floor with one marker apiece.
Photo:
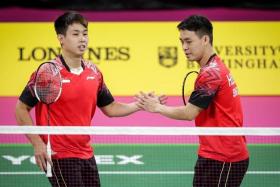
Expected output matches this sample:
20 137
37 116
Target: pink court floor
258 112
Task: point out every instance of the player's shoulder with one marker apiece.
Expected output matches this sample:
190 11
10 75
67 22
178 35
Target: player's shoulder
213 65
211 71
90 65
57 62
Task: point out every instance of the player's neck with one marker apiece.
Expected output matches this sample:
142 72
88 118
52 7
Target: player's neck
71 60
206 56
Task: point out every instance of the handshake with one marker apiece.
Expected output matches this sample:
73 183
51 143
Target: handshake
150 102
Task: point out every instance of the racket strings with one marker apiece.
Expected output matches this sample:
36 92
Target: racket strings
48 83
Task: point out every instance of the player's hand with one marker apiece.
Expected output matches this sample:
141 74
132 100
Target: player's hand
41 156
161 98
148 102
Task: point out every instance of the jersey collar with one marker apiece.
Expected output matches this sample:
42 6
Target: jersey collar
210 58
66 66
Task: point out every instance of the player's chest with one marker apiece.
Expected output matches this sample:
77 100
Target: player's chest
86 84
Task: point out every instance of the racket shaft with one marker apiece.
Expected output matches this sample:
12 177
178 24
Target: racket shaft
49 168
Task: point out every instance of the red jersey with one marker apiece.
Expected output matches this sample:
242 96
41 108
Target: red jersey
216 92
75 107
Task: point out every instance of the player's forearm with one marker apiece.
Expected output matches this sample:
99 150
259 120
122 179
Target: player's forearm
27 121
179 113
23 118
118 109
34 139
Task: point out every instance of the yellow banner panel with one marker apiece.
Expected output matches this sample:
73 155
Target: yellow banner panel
146 56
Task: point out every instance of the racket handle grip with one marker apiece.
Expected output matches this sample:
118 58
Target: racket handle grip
49 170
49 167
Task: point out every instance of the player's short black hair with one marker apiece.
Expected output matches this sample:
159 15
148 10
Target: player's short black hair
68 18
199 24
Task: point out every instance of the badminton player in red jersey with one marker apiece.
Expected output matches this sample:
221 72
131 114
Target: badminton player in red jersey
83 89
222 160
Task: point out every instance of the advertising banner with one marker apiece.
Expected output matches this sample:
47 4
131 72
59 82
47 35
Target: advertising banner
146 56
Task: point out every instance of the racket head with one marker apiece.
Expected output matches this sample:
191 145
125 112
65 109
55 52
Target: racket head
48 83
188 80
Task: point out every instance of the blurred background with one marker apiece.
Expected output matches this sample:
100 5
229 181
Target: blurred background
105 5
135 44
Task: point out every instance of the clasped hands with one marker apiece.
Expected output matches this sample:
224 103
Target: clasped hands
150 102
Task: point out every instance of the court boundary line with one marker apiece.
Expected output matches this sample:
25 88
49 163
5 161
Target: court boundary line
140 173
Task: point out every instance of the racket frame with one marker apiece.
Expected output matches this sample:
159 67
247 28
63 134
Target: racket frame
49 152
60 88
184 85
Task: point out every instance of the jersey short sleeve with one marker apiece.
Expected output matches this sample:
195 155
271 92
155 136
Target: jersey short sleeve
206 86
27 96
104 96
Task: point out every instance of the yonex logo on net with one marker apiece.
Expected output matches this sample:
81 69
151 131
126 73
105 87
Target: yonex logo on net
100 159
118 159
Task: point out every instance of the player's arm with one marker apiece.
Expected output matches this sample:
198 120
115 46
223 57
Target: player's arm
22 113
150 104
207 84
23 118
112 108
118 109
188 112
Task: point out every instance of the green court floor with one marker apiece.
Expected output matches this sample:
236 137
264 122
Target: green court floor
139 165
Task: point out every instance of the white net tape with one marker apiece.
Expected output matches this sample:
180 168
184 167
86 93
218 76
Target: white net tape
120 130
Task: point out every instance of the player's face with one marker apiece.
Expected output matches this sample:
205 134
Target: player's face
192 44
75 40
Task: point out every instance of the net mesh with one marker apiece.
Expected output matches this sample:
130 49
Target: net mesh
142 156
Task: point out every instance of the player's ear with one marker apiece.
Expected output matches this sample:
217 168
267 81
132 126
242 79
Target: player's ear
206 39
60 38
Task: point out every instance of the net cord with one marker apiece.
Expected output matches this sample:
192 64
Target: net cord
153 131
